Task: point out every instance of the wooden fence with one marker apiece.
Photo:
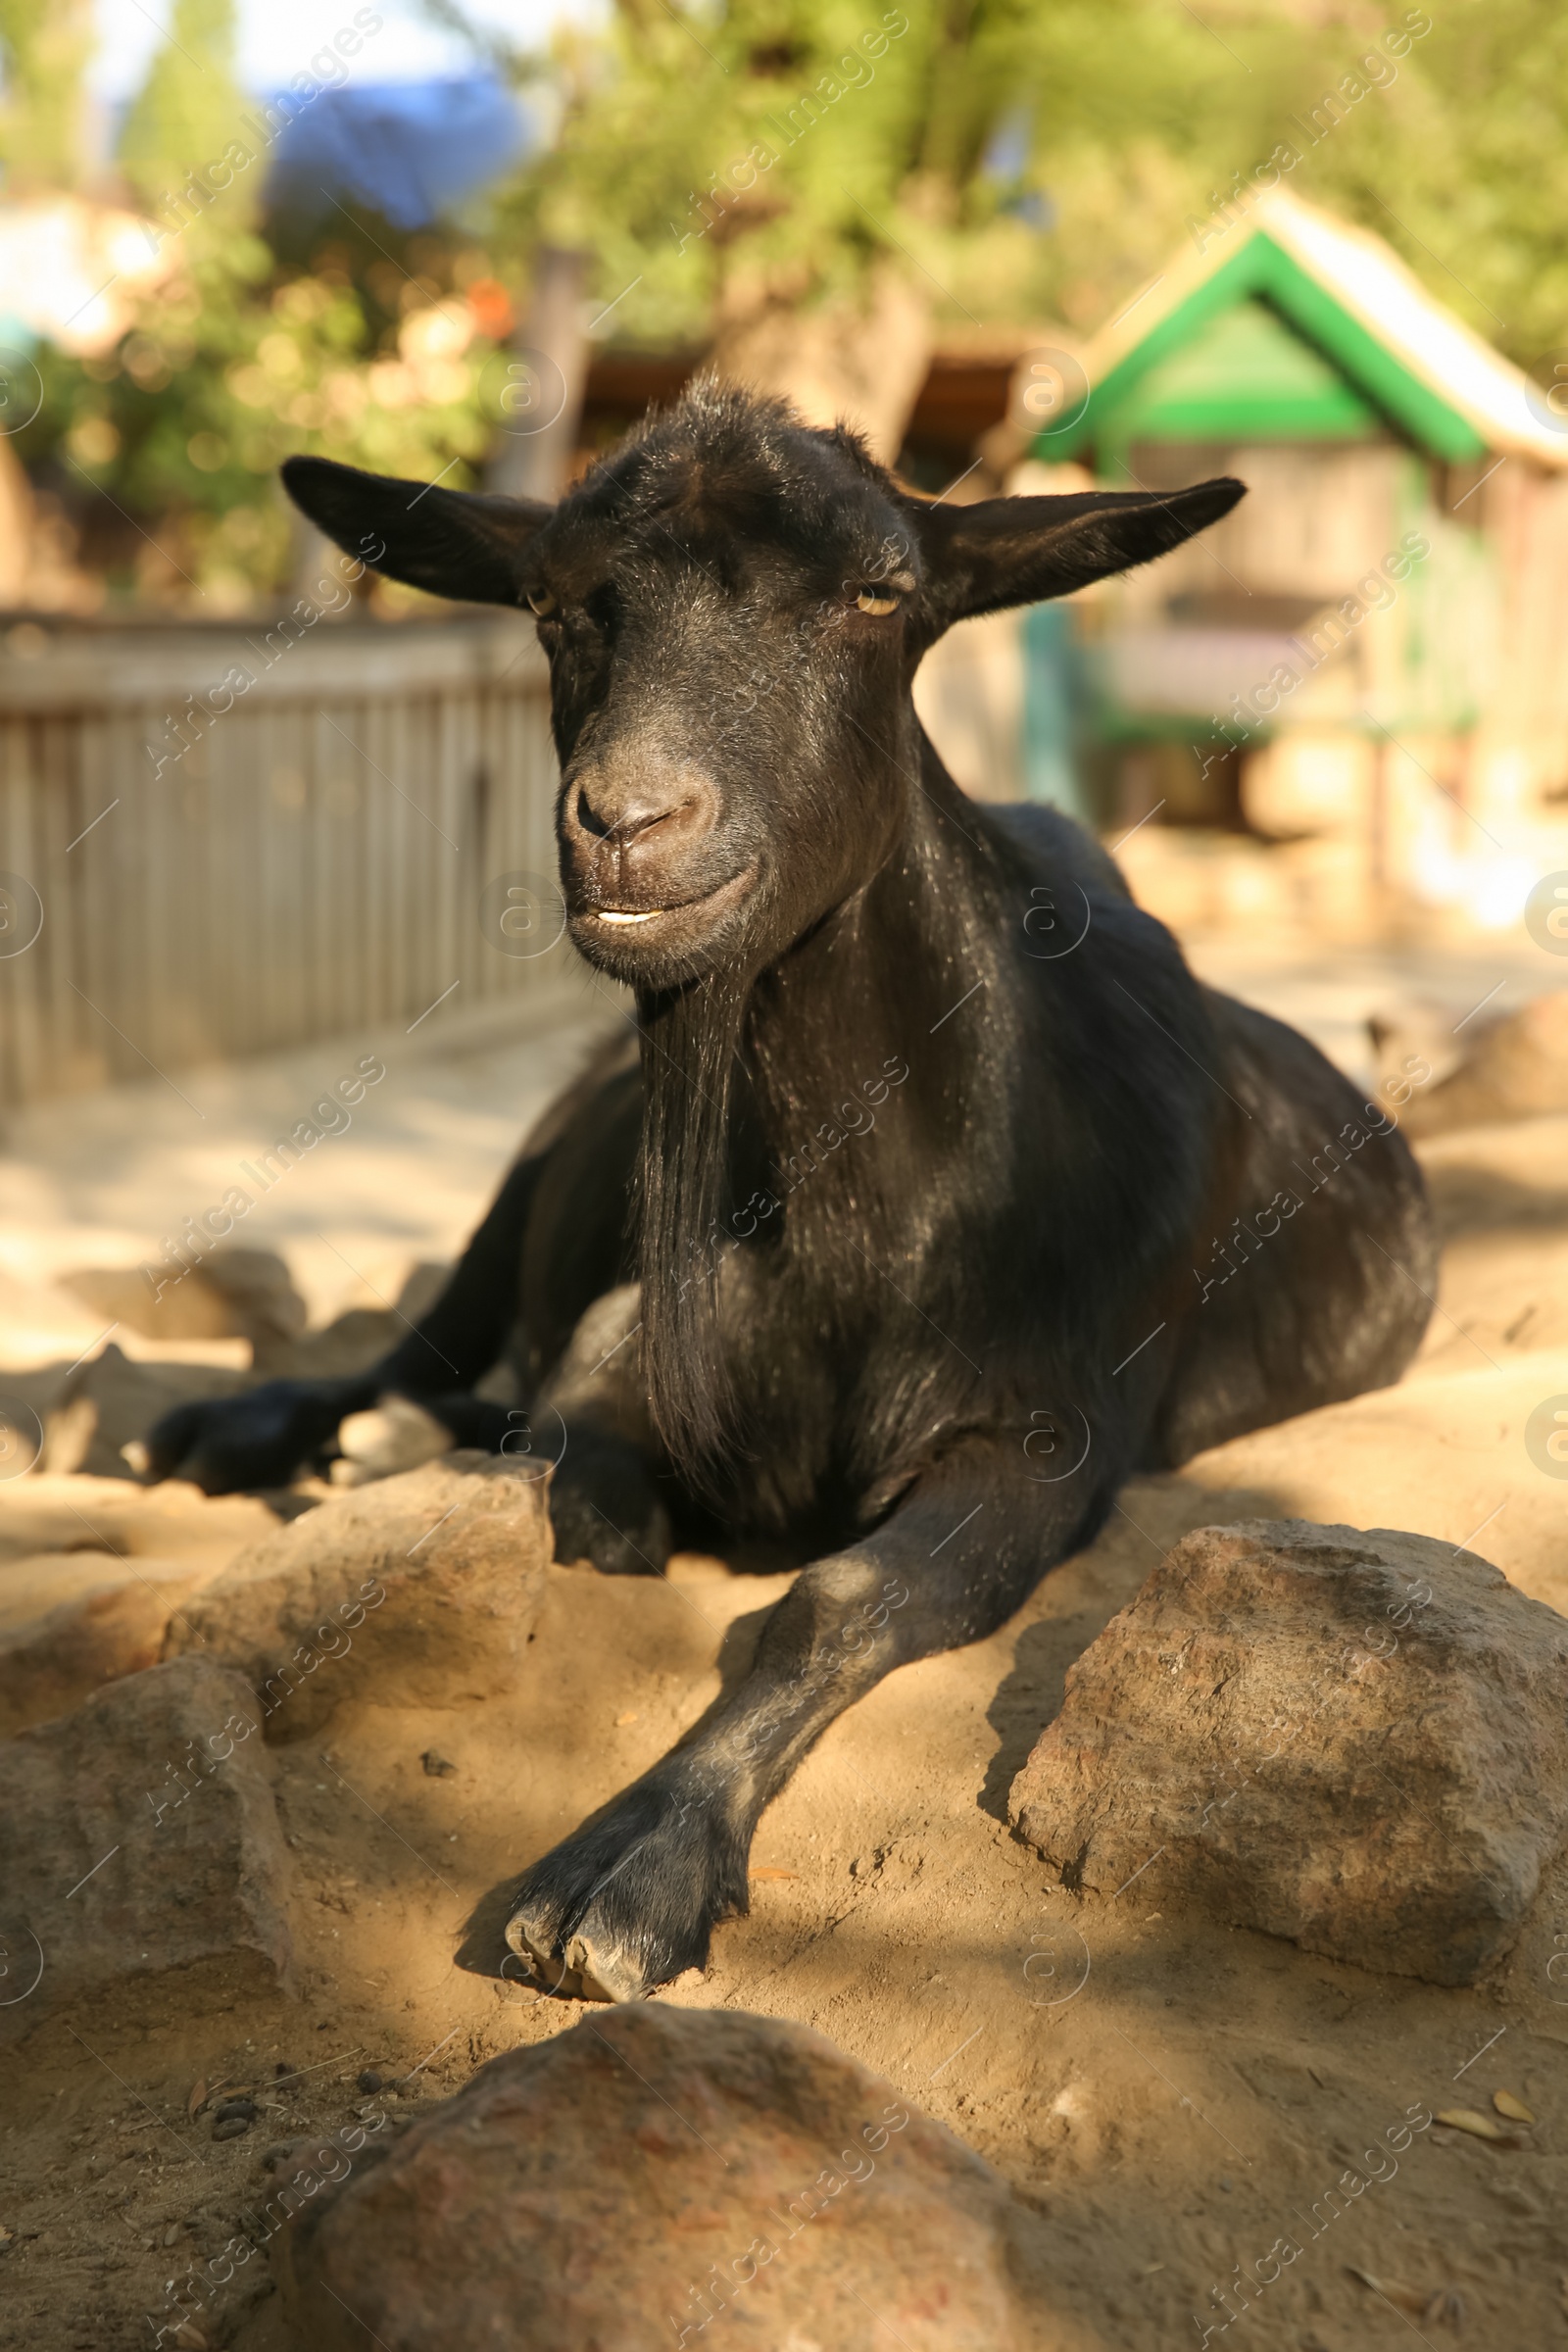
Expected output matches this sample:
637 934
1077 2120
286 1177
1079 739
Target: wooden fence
215 841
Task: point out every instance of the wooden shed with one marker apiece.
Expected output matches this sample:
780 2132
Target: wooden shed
1364 662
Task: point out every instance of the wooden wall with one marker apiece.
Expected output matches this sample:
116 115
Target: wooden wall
315 861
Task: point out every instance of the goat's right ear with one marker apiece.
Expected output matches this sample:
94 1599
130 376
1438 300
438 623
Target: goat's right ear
448 542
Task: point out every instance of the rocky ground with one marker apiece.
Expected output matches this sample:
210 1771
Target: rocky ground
1168 2096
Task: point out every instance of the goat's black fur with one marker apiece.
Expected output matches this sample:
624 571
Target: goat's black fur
952 1196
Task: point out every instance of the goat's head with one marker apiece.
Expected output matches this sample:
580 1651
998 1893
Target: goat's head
733 605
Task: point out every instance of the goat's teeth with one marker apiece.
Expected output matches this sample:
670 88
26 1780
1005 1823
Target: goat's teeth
611 914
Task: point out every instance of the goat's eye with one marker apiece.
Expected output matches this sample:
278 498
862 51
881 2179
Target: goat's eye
541 604
873 599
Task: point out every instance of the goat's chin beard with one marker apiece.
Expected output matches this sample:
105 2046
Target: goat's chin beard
690 1038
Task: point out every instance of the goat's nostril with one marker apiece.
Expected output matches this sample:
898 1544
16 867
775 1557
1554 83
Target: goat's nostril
588 818
601 825
622 817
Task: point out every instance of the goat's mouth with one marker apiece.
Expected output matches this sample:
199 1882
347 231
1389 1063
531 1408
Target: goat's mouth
676 926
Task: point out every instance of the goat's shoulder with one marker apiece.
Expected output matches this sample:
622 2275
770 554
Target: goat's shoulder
1048 841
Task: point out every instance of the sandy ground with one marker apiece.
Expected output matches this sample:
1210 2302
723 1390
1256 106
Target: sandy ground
100 1180
1173 2098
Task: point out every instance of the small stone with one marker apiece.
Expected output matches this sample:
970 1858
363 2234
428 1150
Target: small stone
436 1766
115 1626
172 2234
227 2109
231 2127
369 2081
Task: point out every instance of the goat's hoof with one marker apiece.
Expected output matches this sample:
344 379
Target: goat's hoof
258 1439
592 1968
628 1902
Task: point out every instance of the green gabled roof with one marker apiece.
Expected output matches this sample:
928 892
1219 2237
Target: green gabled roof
1243 375
1261 347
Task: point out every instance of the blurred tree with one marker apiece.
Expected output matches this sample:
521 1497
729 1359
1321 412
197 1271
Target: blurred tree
1463 167
813 187
44 51
811 183
44 45
189 107
233 367
364 349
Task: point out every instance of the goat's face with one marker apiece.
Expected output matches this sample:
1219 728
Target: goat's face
727 613
733 605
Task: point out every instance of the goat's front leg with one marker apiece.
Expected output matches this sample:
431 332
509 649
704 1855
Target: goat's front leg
263 1436
630 1899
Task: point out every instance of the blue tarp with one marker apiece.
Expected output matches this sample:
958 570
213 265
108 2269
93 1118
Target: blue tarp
410 150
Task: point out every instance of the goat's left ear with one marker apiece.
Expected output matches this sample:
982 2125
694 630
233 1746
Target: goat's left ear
1019 550
451 543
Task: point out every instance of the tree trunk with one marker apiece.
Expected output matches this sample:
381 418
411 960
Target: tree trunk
864 362
539 400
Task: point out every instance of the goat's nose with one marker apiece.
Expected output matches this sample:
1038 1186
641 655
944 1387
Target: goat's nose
620 816
619 808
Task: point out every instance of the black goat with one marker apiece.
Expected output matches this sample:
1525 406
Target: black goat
952 1198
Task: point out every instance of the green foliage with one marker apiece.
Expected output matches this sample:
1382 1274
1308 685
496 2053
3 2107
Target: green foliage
238 359
44 45
236 367
710 154
784 147
1017 160
1463 167
190 103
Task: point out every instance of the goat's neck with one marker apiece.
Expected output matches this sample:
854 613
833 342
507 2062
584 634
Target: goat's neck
739 1082
904 973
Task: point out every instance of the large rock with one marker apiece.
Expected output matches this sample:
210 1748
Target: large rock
140 1836
654 2169
1357 1741
420 1589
